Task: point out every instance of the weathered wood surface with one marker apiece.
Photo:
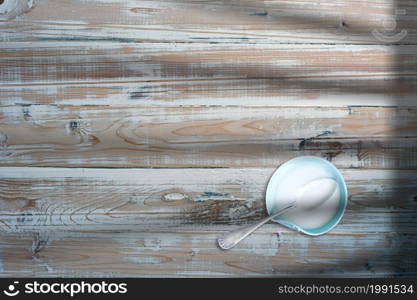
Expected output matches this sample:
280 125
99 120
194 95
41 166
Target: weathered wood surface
146 74
225 21
370 137
87 199
166 223
153 126
194 253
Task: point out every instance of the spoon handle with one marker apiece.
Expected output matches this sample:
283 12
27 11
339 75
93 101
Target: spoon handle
230 239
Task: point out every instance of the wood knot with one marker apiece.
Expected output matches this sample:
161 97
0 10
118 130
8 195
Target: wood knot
74 125
10 9
343 24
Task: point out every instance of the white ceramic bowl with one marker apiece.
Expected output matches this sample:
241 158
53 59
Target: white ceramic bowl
273 198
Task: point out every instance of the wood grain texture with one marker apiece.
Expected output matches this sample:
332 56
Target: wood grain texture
154 199
146 74
206 136
99 61
194 253
236 21
154 126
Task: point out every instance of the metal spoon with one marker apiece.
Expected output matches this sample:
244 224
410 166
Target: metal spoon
229 239
309 196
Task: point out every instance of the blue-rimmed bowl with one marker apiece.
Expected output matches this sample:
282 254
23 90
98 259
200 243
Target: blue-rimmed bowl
273 200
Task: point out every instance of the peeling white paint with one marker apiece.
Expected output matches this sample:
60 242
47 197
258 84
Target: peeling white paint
175 197
142 259
10 9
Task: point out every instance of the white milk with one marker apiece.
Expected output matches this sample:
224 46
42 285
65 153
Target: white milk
316 194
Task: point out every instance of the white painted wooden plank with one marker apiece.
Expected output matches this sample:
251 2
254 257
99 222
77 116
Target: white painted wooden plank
67 63
370 137
346 21
221 92
165 199
195 254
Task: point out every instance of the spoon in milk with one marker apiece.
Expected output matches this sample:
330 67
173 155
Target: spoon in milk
309 196
315 192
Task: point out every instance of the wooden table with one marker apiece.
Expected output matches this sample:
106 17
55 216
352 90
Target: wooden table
132 133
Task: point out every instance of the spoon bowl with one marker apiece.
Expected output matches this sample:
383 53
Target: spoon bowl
314 193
